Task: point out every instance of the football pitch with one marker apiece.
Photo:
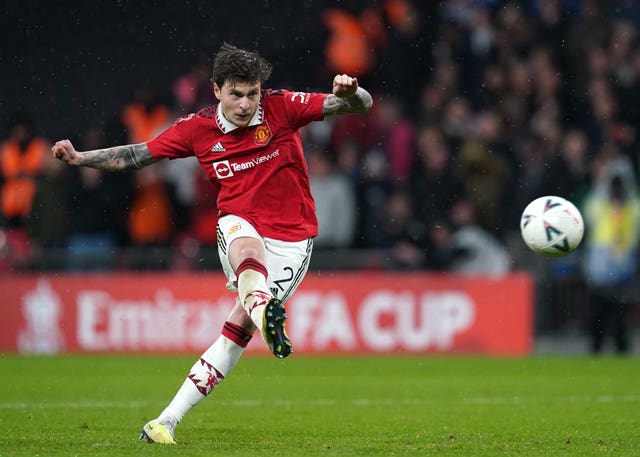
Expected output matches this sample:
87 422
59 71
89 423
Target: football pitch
325 406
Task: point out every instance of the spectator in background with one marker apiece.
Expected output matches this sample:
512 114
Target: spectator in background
93 204
401 234
485 169
347 49
153 203
192 90
548 99
457 121
150 217
433 185
396 137
91 244
48 225
145 115
550 24
22 161
22 164
474 250
372 190
335 201
568 173
612 217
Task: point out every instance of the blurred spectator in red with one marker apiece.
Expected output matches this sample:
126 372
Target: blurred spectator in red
193 90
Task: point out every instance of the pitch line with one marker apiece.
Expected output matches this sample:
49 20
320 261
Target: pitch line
328 402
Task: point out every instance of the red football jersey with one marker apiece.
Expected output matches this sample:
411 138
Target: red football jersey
260 170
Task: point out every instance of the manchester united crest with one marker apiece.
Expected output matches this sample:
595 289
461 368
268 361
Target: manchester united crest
261 134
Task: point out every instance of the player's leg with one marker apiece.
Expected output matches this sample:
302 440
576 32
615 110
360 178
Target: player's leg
213 366
243 257
247 259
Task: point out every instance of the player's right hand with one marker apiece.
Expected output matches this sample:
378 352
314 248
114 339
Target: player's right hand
64 150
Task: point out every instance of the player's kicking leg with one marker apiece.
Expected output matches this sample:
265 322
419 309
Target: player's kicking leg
266 311
244 260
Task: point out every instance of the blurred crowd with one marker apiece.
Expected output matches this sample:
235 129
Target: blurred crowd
480 106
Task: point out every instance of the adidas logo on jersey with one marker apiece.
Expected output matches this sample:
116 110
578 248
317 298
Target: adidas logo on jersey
218 147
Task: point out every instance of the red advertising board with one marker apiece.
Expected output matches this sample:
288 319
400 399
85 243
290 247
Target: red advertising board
359 312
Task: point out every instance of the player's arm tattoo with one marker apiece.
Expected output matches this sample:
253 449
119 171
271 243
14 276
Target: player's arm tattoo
359 102
118 158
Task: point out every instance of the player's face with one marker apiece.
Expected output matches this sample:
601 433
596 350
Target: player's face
239 101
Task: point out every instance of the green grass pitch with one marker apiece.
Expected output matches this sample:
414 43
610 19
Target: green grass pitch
325 406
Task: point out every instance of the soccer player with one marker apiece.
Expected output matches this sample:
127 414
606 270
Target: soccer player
249 146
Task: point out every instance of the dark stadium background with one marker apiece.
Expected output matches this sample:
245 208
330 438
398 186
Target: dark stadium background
66 62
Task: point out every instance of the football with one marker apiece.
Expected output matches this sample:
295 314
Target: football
551 226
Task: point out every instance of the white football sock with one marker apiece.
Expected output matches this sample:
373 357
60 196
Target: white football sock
210 370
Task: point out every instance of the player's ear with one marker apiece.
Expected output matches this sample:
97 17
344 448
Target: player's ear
216 91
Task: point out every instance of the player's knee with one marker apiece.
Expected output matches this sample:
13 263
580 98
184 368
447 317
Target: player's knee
247 248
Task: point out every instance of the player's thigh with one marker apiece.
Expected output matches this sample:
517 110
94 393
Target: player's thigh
287 264
230 228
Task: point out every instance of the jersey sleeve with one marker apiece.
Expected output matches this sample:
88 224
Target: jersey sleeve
175 142
303 107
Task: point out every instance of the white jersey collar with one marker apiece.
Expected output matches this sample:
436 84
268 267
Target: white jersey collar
226 126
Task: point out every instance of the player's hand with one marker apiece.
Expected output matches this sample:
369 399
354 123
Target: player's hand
64 150
344 86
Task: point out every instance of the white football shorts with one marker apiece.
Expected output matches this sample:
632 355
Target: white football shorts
287 261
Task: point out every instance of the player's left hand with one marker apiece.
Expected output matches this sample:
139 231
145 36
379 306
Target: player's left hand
344 86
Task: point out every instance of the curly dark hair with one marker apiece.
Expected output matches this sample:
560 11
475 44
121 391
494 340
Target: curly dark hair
232 64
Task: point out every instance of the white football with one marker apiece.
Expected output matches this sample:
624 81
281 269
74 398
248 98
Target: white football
551 226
